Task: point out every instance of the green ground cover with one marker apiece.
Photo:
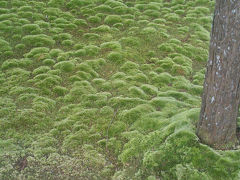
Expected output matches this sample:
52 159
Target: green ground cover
105 89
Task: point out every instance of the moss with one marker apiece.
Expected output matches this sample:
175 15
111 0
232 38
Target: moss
181 96
132 115
56 3
129 67
80 22
149 89
130 41
38 40
67 43
55 52
112 19
35 51
31 28
94 19
137 92
133 109
80 53
91 36
180 70
83 75
62 36
125 102
166 63
5 46
62 57
172 17
197 90
94 100
78 46
91 50
11 63
113 45
65 66
115 57
48 62
165 47
79 88
205 36
40 70
20 46
98 81
181 83
118 84
148 31
161 102
60 91
162 78
152 13
140 77
101 29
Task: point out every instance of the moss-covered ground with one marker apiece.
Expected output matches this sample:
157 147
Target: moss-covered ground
105 89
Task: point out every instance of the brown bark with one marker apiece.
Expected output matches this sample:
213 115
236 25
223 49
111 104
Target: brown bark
220 100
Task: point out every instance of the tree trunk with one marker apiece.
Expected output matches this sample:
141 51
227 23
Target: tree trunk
220 100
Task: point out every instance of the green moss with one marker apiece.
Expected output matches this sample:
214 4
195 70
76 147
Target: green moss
133 110
118 84
11 63
98 81
4 46
36 51
31 29
102 29
91 50
148 31
65 66
60 91
113 45
55 52
80 22
84 75
48 62
20 46
152 13
40 70
62 36
205 36
130 41
172 17
161 102
129 67
165 63
162 78
132 115
67 43
38 40
165 47
91 36
149 89
94 19
115 57
112 19
80 52
137 92
181 70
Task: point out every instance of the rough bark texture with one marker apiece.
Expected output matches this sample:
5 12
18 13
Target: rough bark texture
220 100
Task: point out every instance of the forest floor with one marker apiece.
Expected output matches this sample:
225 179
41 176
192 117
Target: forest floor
105 89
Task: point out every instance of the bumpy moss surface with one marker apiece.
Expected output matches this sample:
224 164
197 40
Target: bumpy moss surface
105 89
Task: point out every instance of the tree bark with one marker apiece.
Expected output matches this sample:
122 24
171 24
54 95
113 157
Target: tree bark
221 94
